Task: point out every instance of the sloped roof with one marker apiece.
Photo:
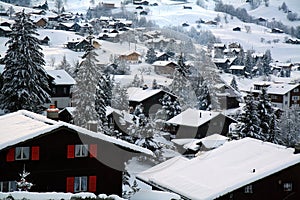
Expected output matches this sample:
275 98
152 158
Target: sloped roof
222 170
61 77
191 117
24 125
139 94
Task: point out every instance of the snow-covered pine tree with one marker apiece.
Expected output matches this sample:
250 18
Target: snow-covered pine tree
181 67
85 89
288 124
103 99
24 185
266 115
25 82
150 56
136 82
119 97
249 62
250 120
172 108
266 60
65 65
233 84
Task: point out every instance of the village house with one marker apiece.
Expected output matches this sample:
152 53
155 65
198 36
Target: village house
78 45
60 85
239 169
237 70
284 69
222 63
282 95
148 98
59 156
227 96
193 123
164 67
131 57
5 31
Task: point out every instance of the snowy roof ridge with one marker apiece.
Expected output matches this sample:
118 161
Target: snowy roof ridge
61 77
140 94
23 125
215 175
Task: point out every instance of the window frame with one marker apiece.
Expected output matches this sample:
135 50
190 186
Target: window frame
22 153
82 182
248 189
12 186
83 150
287 186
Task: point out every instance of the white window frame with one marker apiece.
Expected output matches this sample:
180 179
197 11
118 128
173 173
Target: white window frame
24 152
296 90
81 150
80 184
248 189
288 186
12 186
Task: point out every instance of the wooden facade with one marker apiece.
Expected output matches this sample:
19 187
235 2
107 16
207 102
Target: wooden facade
66 159
281 185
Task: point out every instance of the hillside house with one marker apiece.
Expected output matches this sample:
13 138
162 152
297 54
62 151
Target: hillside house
41 22
238 169
193 123
5 31
60 85
282 95
131 57
164 67
284 69
237 69
148 98
45 40
61 157
237 29
222 63
276 30
227 96
79 45
162 56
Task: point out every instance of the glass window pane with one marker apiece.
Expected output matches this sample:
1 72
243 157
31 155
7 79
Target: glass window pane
76 184
77 150
18 153
25 153
85 150
83 183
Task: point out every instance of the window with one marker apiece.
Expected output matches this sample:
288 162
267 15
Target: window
287 187
8 186
296 90
80 184
22 153
248 189
54 90
295 98
274 97
81 150
65 90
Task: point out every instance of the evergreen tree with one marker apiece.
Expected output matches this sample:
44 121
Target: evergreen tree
119 97
267 58
85 89
25 82
65 65
288 125
249 63
265 114
181 67
233 84
150 56
250 120
172 108
136 82
154 84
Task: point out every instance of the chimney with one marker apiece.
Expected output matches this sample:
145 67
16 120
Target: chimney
52 112
92 126
297 148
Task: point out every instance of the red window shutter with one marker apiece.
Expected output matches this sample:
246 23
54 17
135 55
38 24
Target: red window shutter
35 153
92 183
71 151
70 184
10 156
93 150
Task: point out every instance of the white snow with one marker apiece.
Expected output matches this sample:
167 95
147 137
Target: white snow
222 170
61 77
138 94
192 117
154 195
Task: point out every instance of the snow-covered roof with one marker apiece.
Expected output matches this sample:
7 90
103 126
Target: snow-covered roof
139 94
61 77
193 117
5 28
163 63
211 174
24 125
154 195
281 88
237 67
127 117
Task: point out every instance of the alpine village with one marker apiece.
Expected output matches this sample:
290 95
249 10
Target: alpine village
149 99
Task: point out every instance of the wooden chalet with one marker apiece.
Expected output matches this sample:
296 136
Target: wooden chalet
162 56
227 96
60 85
5 31
45 40
148 98
237 69
239 169
237 29
164 67
41 22
79 45
61 157
132 57
193 123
